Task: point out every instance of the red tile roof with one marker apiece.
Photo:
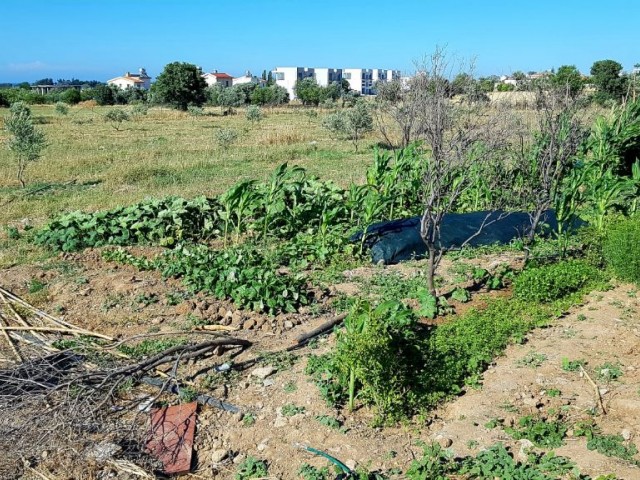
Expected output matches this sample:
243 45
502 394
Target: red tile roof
222 75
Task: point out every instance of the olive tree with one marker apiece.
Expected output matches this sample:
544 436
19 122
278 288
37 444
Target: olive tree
352 123
25 141
459 138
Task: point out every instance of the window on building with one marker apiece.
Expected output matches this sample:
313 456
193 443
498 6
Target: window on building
346 76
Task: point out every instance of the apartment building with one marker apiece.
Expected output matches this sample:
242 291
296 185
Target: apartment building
361 80
288 76
326 76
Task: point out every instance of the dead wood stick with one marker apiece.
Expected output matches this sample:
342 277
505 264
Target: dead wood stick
10 342
39 474
21 320
595 386
70 331
156 334
298 342
319 330
51 318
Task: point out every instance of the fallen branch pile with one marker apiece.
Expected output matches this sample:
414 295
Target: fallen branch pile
69 401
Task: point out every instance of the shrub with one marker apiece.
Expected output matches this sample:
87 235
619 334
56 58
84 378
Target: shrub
620 249
195 111
552 282
61 108
71 96
116 116
225 137
254 113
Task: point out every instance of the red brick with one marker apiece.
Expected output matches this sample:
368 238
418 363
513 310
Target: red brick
171 438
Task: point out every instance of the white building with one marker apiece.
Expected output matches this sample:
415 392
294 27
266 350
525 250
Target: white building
361 80
218 78
326 76
248 78
288 76
132 80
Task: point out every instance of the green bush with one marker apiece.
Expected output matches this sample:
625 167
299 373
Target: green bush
552 282
620 249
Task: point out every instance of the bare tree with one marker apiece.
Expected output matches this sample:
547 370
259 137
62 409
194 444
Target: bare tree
396 111
545 163
460 137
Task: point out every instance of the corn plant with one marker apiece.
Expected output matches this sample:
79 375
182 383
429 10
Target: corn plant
237 203
274 193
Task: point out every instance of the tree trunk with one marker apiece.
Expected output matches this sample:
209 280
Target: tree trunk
431 270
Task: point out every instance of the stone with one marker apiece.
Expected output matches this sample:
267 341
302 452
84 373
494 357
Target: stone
351 463
288 325
263 372
280 422
222 312
445 442
236 318
262 447
104 451
239 458
523 452
627 434
238 416
249 324
266 327
219 455
267 383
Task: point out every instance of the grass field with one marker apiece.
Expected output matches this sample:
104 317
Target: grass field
165 152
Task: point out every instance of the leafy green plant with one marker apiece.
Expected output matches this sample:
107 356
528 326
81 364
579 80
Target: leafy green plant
572 365
551 282
608 371
187 394
251 467
163 222
36 285
290 387
309 472
289 410
619 249
248 419
543 433
329 421
461 295
532 359
609 445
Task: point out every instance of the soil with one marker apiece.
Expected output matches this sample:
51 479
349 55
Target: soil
121 301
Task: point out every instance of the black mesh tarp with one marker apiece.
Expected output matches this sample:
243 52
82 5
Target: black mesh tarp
398 240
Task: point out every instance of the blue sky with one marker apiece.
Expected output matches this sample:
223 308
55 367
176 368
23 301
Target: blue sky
92 39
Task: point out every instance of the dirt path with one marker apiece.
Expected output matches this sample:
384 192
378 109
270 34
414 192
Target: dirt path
605 329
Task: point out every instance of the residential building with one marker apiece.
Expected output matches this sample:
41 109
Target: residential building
288 76
132 80
360 79
326 76
248 78
218 78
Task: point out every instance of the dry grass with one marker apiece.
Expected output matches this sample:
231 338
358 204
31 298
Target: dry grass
164 153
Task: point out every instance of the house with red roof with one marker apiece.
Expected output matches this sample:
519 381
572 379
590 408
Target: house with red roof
218 78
